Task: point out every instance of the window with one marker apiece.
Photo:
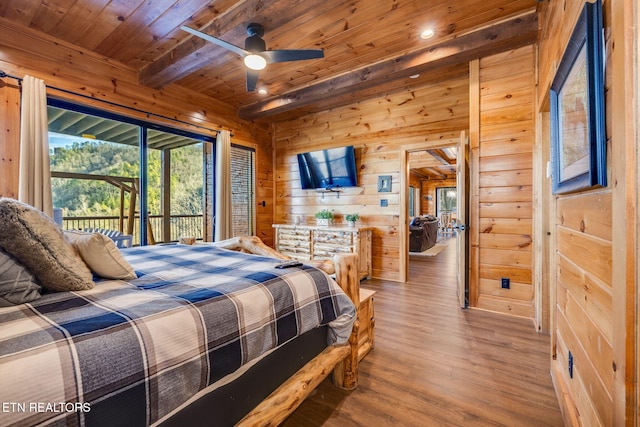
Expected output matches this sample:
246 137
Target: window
243 190
446 199
107 168
412 198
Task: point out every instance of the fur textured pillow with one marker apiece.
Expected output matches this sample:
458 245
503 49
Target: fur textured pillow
101 255
17 284
37 242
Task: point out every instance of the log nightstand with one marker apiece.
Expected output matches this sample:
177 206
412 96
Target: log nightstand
367 322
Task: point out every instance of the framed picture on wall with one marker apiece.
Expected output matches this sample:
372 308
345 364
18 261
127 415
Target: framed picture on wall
578 137
384 183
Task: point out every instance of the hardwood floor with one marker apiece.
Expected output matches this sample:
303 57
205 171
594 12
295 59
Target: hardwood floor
434 364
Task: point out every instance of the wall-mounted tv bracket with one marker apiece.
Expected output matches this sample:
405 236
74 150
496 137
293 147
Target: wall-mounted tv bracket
329 190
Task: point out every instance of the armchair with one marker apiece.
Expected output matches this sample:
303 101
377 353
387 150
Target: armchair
423 233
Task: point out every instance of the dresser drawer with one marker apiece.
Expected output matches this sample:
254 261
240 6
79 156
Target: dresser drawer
339 238
304 242
327 251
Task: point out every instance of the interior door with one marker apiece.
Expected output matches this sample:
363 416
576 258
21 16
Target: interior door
462 236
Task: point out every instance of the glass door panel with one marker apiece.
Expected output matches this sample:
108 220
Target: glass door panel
176 186
95 164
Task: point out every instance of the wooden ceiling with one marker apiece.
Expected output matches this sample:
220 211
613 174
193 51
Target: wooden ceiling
371 47
434 164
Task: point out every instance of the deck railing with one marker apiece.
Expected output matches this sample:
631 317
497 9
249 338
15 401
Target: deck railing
181 225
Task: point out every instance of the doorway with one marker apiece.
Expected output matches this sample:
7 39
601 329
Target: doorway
421 160
432 174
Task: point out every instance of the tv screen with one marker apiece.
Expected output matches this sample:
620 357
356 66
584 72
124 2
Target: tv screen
334 167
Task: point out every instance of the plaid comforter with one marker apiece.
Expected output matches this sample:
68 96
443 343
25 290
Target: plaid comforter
130 352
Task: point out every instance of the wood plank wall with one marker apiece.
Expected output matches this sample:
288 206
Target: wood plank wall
503 183
10 138
70 68
376 128
582 237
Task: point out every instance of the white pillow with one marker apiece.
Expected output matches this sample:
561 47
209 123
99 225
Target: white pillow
101 255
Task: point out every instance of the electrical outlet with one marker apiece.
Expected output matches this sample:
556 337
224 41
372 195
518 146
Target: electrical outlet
506 283
384 203
570 365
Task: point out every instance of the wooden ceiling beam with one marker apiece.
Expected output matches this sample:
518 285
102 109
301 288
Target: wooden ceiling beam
509 34
418 174
442 157
437 173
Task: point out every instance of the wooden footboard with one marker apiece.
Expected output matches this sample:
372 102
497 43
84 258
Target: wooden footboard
286 398
341 359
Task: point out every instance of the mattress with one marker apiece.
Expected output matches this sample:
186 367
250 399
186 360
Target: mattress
130 352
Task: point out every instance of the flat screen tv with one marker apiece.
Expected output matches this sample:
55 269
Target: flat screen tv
327 169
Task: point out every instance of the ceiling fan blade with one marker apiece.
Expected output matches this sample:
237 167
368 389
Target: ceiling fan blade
233 48
252 80
291 55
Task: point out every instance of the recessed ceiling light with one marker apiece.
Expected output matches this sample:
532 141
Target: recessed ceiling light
262 91
414 76
427 34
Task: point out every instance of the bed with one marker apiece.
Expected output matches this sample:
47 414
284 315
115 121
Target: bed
197 330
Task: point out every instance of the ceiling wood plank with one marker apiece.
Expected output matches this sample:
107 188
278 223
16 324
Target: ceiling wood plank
107 22
194 53
19 11
145 36
506 35
78 20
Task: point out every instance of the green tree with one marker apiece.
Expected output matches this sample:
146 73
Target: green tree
92 198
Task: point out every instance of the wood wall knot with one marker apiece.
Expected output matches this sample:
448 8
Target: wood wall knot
582 226
527 243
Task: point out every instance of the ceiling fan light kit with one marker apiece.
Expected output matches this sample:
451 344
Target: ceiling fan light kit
255 53
255 62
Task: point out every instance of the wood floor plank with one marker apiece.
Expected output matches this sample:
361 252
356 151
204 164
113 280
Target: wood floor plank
434 364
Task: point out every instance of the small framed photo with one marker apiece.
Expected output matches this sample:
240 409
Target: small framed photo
578 137
384 184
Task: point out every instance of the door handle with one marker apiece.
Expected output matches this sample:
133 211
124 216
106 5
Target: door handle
461 227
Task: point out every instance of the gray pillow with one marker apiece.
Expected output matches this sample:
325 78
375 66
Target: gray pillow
37 242
17 284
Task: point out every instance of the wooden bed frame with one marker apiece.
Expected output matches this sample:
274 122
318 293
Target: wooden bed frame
341 359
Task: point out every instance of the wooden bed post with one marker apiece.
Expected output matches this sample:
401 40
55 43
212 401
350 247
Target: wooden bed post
345 375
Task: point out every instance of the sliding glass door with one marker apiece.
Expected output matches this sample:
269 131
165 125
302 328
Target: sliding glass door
107 169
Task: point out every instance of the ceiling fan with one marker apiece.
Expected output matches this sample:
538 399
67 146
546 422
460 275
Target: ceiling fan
255 53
